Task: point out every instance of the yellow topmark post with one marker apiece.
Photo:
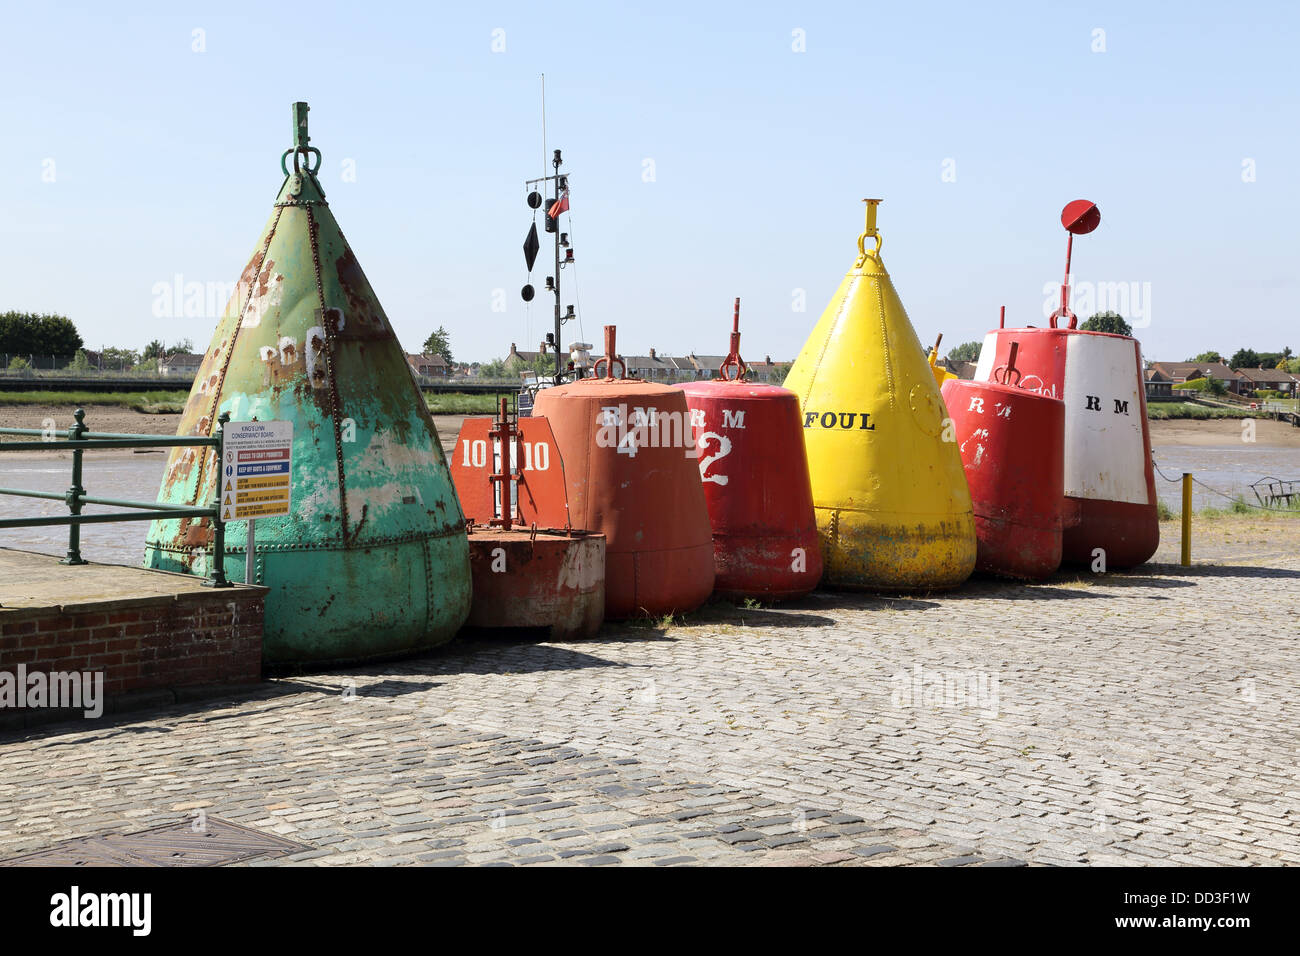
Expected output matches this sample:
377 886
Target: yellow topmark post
893 507
941 375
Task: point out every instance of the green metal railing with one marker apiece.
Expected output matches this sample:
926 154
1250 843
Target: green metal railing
79 439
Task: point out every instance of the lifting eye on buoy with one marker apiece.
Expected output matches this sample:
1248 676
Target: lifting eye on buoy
733 361
301 152
1002 374
869 233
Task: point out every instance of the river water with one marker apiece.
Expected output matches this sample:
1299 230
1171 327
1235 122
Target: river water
1228 470
135 477
138 477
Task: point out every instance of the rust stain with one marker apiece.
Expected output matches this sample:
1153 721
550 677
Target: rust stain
198 534
264 278
363 308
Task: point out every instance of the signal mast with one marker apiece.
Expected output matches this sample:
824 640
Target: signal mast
555 206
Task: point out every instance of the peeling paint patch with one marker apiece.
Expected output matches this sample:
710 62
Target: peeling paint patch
315 351
377 498
386 454
580 571
264 295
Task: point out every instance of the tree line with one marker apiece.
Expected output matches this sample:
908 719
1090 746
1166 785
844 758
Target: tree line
1284 360
38 334
47 335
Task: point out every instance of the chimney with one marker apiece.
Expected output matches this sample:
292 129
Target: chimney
652 353
542 347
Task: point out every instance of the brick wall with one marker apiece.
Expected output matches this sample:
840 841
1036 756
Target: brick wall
168 641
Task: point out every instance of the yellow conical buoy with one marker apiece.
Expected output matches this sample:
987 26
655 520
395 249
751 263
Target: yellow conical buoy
893 507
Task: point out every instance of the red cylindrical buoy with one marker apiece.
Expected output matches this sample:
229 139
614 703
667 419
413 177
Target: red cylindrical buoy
754 469
630 469
1012 445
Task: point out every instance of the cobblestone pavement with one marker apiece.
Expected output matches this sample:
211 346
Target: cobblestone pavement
1130 719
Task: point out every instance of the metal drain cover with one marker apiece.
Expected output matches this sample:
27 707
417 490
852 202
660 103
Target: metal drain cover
175 844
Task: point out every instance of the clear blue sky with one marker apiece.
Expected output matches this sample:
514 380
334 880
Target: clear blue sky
166 160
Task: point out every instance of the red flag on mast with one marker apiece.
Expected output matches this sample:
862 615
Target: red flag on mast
559 206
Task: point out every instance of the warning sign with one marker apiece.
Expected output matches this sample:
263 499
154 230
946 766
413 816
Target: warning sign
257 470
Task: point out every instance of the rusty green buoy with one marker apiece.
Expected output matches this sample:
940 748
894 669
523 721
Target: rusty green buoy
373 560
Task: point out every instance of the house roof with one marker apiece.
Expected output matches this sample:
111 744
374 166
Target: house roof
437 361
1266 375
708 363
529 357
1182 371
654 362
182 358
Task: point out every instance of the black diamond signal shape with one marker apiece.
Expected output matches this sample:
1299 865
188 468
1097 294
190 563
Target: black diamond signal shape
531 245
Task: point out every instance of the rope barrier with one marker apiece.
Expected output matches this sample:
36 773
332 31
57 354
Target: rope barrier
1222 494
1238 498
1156 465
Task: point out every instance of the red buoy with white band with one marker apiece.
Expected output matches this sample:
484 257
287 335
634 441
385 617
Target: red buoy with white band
754 469
1110 495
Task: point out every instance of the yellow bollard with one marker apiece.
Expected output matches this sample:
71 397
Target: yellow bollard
1187 520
